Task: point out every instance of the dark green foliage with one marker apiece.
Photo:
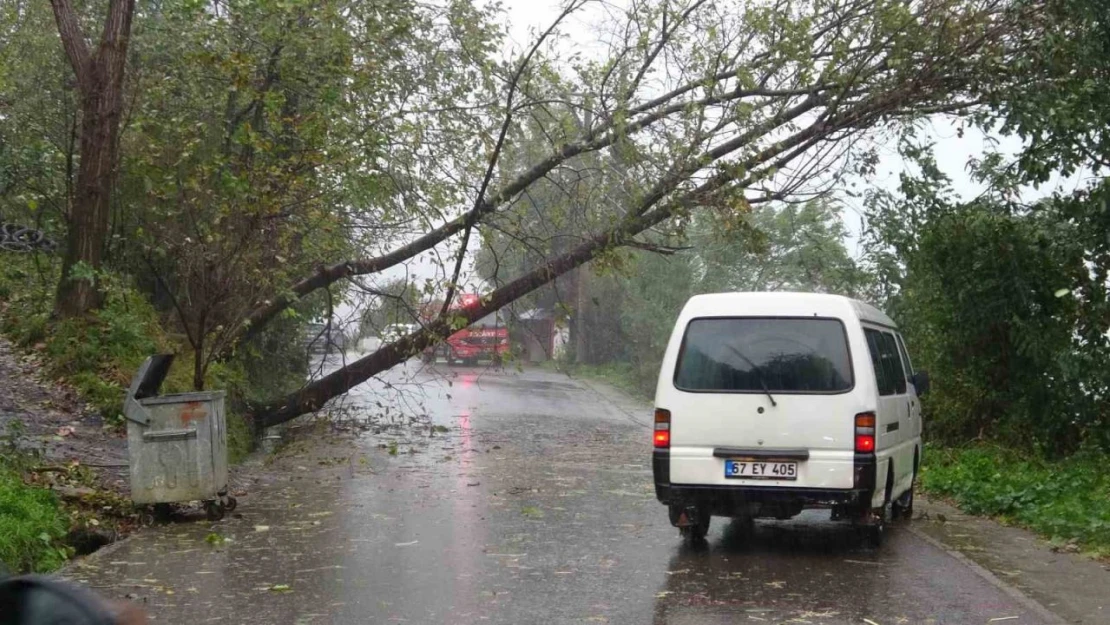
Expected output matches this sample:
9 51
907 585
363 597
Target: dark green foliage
995 303
1065 501
32 524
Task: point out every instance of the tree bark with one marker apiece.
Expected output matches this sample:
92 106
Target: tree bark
100 82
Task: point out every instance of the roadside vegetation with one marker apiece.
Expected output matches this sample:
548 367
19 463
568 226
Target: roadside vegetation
99 353
32 522
1067 501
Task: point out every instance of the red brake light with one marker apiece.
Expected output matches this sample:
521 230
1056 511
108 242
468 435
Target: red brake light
865 432
662 436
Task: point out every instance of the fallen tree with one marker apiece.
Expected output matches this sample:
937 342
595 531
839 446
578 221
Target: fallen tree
716 105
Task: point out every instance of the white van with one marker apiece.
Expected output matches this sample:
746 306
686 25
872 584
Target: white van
769 403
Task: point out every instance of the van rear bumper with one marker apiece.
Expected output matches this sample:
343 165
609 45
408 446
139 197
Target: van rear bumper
723 498
730 497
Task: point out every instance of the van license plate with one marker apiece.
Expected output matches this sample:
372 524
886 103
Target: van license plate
759 470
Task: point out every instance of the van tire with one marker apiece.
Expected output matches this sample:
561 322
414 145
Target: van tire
876 530
903 507
698 528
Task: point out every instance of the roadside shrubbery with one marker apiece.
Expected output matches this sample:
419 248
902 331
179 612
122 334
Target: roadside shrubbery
1068 500
100 353
32 523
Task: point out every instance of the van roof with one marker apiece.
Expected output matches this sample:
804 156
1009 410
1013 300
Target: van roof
782 303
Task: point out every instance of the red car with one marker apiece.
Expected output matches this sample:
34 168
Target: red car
487 338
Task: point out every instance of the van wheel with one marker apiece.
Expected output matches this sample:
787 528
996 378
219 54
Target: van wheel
876 530
903 507
876 526
692 523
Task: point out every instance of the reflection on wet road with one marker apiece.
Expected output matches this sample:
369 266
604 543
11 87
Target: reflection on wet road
535 506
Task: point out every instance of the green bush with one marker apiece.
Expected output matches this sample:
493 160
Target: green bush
99 354
1062 500
31 526
239 439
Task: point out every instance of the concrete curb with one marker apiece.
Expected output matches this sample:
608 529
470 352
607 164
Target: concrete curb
1025 600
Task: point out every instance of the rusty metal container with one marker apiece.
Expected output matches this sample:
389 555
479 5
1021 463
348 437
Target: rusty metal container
177 444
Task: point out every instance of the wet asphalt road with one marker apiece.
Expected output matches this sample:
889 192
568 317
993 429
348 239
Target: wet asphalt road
535 506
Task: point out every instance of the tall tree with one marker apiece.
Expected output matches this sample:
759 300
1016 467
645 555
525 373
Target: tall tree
99 75
723 104
1005 298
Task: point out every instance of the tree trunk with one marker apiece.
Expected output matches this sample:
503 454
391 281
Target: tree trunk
581 320
88 217
316 394
198 365
100 82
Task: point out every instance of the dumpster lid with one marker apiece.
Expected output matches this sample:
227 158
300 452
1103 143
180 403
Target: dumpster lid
150 376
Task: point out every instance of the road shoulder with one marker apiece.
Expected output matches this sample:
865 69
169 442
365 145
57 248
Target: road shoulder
1071 586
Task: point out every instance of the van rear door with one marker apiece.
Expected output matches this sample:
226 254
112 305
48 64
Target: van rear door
765 383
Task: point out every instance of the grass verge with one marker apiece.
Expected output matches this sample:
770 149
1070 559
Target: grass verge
618 374
32 522
1066 501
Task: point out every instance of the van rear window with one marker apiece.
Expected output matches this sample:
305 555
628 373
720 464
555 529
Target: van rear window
750 355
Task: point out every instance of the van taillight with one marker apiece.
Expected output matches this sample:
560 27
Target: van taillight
662 437
865 432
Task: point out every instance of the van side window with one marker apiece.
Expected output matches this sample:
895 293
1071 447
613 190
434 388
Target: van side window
905 357
892 360
889 374
874 342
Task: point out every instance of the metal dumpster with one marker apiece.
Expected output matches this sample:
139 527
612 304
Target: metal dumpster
177 443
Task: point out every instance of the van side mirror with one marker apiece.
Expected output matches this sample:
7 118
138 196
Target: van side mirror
921 382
